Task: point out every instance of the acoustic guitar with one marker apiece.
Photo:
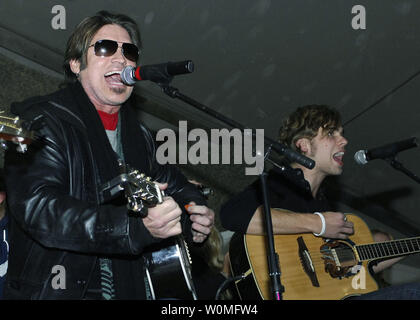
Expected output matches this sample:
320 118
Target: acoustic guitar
313 268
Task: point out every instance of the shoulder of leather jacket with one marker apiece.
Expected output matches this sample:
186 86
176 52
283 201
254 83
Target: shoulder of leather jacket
54 104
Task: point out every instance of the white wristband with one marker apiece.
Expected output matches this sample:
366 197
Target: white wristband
323 225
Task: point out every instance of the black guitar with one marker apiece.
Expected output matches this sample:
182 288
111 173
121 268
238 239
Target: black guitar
168 270
168 264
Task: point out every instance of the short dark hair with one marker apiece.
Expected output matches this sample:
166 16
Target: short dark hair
305 122
79 41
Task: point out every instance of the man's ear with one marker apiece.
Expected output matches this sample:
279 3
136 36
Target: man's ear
304 145
75 66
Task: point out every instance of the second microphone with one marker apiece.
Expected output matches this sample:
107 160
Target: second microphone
390 150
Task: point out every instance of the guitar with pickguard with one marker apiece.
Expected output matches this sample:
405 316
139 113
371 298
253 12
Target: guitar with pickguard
168 264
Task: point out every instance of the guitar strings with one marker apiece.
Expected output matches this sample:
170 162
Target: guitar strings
373 253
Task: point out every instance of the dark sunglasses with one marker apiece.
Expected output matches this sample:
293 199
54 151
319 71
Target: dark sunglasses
106 48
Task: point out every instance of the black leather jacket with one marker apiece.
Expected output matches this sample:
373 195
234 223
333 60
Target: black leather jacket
57 215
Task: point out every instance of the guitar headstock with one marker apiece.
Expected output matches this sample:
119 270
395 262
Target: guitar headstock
12 129
140 191
144 189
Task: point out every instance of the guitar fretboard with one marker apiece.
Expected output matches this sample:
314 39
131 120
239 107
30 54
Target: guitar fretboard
388 249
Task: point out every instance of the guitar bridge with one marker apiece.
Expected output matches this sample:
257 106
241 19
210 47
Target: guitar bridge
306 261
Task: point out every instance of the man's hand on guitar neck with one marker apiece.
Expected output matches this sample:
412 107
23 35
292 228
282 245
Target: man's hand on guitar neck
163 220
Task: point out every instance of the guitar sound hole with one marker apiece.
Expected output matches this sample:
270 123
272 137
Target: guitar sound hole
338 258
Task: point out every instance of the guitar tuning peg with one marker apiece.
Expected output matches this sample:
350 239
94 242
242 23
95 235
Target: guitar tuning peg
148 179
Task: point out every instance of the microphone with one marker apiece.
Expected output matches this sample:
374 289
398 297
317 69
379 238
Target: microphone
159 73
294 156
364 156
299 158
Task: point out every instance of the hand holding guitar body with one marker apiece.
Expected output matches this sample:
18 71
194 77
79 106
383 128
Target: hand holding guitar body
287 222
336 226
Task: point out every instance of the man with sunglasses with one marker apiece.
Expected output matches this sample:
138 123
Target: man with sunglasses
68 240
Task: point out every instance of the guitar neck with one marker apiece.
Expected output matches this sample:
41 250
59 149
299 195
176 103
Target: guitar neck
388 249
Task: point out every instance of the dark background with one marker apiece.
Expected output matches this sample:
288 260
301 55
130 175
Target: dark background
255 62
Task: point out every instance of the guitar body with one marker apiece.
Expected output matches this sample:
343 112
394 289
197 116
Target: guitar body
248 255
168 269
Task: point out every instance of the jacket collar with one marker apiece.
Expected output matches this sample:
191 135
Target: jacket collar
296 177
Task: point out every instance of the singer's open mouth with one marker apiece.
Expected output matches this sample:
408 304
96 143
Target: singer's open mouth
338 157
114 77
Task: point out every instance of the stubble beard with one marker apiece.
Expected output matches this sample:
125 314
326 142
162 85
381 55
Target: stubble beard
119 90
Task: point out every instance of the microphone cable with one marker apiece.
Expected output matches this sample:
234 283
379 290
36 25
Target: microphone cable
382 98
226 283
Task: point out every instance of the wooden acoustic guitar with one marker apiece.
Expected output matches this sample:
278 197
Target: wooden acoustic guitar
313 268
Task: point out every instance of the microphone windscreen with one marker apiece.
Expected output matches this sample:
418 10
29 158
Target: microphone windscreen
127 76
360 157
